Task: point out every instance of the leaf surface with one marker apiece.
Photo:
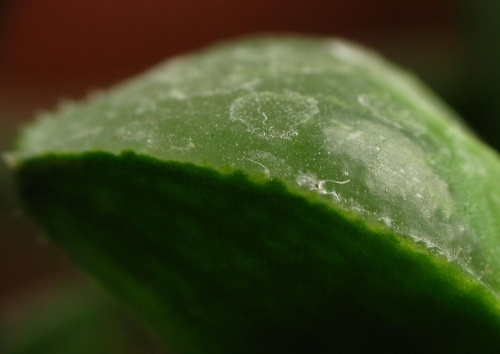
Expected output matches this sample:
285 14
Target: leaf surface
277 194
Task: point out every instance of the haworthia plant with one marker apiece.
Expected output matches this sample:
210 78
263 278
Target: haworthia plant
277 195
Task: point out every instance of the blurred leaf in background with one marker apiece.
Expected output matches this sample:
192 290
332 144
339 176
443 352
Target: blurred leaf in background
479 101
73 318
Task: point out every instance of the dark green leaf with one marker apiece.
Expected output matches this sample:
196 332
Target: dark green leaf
277 195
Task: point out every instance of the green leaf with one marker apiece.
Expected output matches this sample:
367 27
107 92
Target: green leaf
277 195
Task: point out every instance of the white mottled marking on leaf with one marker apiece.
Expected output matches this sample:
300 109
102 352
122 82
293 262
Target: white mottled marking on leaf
397 172
85 134
387 221
146 106
272 115
264 115
267 173
310 181
352 54
177 94
189 145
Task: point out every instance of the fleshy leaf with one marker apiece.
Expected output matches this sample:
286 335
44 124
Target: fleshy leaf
277 195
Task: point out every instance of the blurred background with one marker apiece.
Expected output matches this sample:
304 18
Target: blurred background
55 50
